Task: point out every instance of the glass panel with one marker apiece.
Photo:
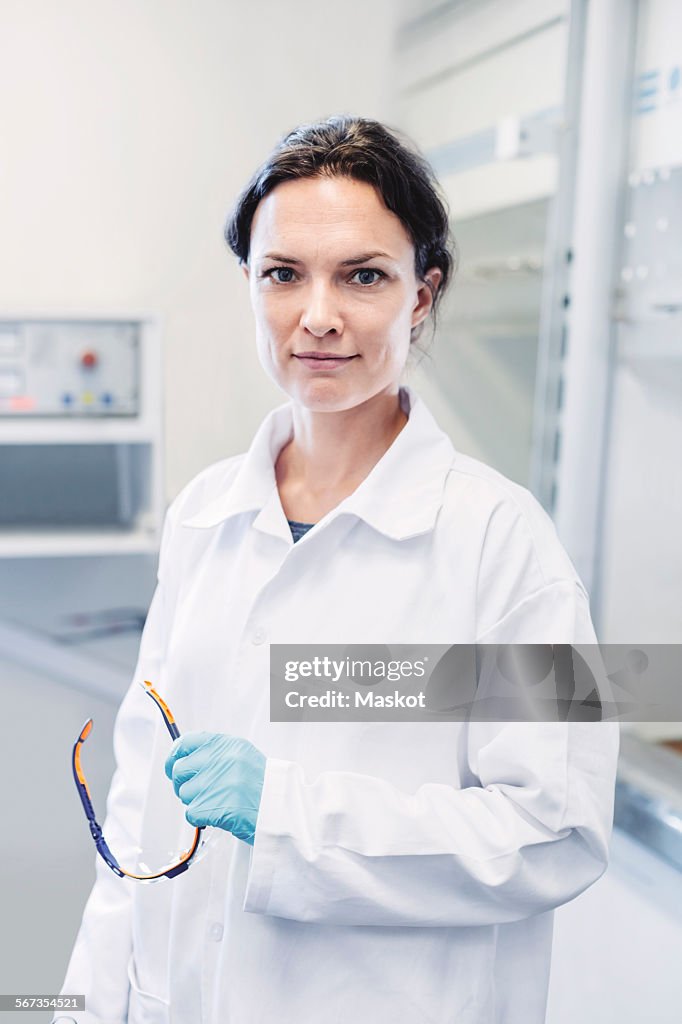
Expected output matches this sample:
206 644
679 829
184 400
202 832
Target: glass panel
485 354
641 554
492 135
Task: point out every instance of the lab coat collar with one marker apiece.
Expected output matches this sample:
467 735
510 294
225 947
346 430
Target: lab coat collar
400 497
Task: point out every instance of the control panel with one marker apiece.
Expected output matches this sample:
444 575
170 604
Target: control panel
69 369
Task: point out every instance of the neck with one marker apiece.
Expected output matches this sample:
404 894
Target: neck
334 451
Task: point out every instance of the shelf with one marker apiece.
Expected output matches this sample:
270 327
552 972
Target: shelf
49 543
499 186
649 337
13 431
670 348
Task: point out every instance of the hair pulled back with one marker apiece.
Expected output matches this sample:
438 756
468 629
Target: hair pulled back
366 150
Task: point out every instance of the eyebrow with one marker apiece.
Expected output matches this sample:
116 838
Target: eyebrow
352 262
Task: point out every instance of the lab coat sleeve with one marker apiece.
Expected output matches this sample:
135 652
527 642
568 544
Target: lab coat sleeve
352 849
98 967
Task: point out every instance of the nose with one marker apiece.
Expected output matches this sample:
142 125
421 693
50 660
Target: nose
321 315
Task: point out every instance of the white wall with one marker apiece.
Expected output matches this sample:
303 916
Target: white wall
127 130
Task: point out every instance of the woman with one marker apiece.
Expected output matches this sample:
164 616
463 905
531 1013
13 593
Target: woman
403 872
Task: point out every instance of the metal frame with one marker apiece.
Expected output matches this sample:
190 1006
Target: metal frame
578 378
555 290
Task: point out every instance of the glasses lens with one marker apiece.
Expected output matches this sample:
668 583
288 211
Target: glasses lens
166 835
156 858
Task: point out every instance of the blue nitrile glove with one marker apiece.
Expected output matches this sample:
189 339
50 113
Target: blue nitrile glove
220 779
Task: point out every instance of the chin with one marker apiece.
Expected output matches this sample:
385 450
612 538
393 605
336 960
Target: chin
326 396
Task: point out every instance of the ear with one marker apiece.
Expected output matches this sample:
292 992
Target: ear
245 270
425 294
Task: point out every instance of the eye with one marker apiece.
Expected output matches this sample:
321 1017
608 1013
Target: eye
279 270
368 270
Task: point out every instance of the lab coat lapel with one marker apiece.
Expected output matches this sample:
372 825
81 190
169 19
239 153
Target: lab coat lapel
400 497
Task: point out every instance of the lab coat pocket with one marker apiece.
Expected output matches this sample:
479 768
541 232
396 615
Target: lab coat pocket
144 1007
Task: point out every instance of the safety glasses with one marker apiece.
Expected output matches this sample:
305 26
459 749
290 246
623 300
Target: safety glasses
185 859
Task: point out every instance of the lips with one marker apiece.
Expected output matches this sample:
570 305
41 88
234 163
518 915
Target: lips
320 355
323 362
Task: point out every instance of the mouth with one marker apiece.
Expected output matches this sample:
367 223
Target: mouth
326 361
321 355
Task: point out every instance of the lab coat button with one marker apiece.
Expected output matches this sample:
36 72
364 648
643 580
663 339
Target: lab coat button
258 636
216 931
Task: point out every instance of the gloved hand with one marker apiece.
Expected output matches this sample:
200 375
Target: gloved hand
220 779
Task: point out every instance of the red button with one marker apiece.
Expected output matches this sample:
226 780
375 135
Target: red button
22 403
89 359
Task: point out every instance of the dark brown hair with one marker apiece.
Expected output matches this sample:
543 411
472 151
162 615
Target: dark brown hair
366 150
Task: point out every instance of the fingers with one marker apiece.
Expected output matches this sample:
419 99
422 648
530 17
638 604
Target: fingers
183 746
200 818
189 787
209 771
196 819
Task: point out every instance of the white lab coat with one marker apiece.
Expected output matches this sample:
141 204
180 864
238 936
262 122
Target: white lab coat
401 872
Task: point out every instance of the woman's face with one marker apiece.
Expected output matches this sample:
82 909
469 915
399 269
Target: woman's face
331 272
